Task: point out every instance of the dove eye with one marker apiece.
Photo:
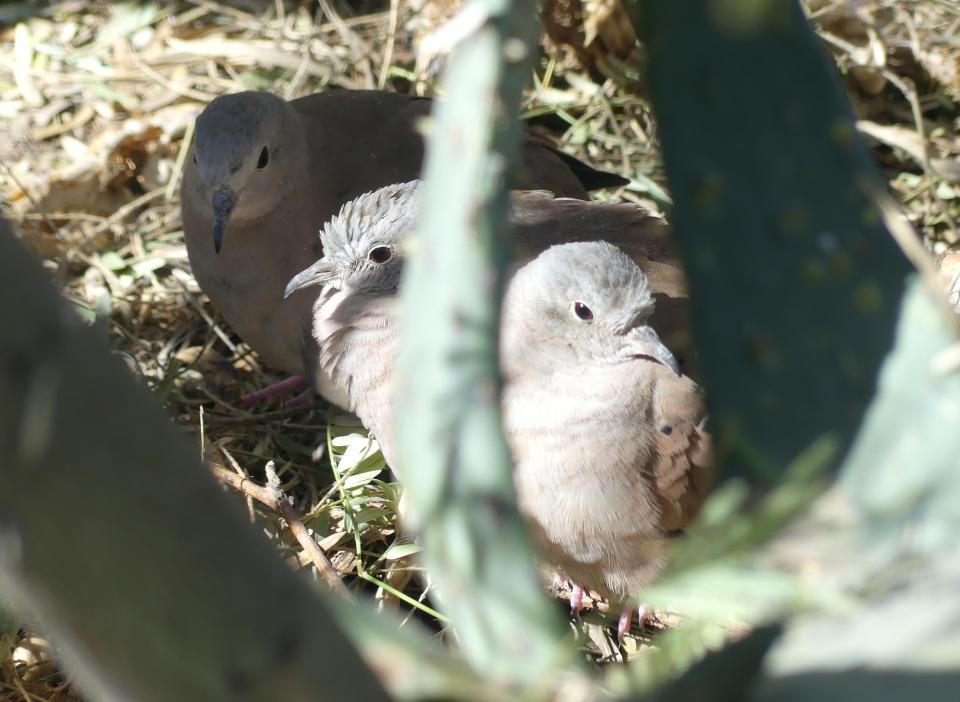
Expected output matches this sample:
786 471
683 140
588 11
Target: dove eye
264 158
582 311
380 254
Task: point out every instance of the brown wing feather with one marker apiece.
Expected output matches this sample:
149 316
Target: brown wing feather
684 466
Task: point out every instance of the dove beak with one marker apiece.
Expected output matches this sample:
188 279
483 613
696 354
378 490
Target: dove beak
644 343
223 201
320 273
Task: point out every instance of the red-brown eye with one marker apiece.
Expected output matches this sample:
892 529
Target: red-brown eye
582 311
380 254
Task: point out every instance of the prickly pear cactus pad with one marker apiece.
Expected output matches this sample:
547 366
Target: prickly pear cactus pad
795 280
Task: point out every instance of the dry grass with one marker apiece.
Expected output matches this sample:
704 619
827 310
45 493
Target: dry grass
99 100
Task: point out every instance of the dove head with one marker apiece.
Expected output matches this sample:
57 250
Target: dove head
578 304
362 245
249 154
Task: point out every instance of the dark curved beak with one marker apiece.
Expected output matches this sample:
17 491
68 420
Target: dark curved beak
320 273
223 201
645 343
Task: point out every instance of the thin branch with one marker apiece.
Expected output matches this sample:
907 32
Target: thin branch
275 501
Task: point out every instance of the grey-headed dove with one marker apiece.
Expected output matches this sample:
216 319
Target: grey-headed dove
621 458
264 174
609 443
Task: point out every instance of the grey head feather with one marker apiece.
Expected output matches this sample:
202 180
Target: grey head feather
232 128
596 273
542 328
381 217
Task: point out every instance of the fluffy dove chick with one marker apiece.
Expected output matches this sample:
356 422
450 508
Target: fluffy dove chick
350 347
264 174
608 441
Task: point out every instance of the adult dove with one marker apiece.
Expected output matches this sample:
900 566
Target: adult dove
264 174
622 450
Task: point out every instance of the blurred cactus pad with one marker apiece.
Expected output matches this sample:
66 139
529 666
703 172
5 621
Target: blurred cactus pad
795 280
